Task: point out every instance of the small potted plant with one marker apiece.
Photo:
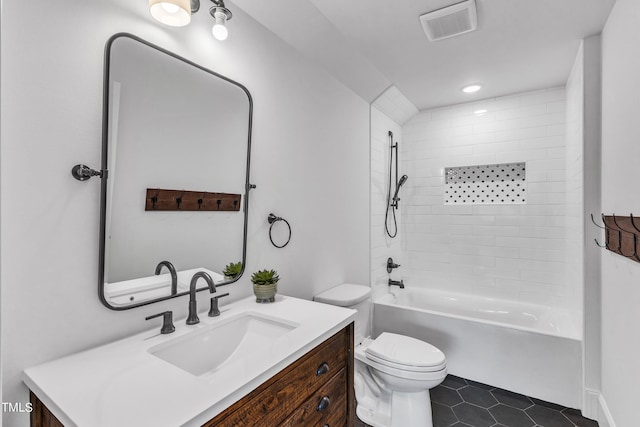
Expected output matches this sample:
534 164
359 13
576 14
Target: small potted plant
265 285
232 270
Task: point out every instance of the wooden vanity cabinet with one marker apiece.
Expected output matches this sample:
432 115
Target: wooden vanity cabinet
40 414
315 390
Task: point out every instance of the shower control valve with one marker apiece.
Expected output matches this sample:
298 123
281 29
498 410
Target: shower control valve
391 265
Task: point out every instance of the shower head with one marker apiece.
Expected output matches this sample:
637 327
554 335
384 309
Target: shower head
403 179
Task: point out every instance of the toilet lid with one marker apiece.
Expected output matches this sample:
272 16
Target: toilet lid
345 295
405 353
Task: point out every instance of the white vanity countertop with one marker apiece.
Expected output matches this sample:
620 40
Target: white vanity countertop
122 384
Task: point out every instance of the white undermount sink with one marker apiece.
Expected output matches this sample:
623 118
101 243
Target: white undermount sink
209 348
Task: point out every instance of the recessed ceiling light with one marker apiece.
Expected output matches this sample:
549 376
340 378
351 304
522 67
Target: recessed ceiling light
480 112
471 88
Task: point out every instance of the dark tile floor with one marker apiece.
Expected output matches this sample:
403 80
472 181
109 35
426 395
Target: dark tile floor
458 402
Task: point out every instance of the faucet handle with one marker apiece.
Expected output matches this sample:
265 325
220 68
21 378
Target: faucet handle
391 265
214 311
167 321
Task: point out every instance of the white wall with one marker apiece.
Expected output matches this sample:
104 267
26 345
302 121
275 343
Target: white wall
310 165
515 252
583 199
620 154
592 149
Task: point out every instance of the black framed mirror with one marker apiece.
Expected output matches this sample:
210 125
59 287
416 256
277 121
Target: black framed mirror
176 148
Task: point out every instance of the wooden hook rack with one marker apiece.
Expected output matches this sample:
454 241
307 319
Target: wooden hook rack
621 235
158 199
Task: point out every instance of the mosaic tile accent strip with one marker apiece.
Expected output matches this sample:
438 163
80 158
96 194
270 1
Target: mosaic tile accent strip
500 184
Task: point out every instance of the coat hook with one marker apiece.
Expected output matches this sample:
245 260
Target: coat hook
154 199
613 216
635 247
597 225
607 239
633 223
179 199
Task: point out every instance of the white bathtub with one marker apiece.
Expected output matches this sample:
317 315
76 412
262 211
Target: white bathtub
530 349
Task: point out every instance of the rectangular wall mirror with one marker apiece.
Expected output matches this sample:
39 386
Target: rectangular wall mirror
176 145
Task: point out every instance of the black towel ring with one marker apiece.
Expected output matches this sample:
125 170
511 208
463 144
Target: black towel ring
272 219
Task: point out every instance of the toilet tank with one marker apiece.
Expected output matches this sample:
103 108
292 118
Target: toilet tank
357 297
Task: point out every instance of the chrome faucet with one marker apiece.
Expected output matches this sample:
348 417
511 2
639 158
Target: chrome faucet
193 319
399 283
172 271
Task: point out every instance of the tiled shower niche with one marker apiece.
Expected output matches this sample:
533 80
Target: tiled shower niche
499 184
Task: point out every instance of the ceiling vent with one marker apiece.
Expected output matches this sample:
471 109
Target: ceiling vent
450 21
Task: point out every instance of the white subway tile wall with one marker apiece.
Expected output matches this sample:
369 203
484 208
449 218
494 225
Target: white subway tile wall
505 251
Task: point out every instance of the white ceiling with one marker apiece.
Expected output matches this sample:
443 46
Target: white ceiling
369 45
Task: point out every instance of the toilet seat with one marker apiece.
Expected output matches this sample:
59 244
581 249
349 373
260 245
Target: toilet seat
405 353
437 372
407 368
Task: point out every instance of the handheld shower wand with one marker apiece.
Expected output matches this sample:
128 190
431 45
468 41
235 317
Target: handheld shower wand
403 179
392 203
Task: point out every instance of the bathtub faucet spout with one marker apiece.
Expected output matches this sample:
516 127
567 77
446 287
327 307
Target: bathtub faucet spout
399 283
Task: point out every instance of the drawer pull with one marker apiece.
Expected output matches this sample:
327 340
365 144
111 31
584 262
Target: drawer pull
322 369
324 403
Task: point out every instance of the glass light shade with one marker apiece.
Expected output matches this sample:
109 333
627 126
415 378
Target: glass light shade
219 30
176 13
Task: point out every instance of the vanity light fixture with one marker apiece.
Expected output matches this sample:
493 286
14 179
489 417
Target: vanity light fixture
176 13
221 15
471 88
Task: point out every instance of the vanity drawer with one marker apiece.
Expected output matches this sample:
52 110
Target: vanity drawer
277 398
327 406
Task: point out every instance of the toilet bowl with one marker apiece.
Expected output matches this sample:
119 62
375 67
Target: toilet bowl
393 373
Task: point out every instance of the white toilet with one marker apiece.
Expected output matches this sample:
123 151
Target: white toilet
393 373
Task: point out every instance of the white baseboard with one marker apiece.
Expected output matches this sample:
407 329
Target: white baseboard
605 419
595 408
591 408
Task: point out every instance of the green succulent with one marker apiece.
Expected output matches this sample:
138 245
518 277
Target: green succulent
232 269
265 277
